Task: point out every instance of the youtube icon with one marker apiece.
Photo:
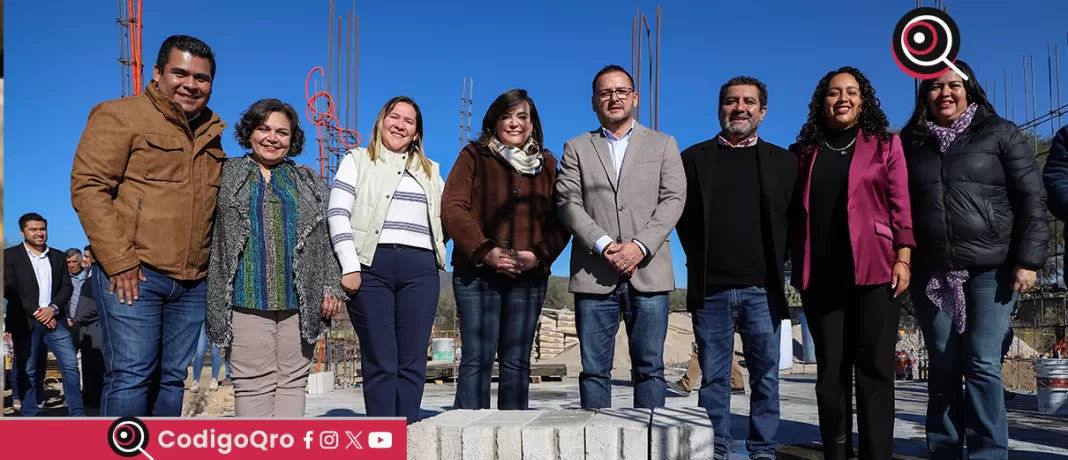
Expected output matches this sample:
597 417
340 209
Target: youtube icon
380 440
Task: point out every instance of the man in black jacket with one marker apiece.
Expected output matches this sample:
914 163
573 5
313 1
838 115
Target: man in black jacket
734 232
36 282
1055 177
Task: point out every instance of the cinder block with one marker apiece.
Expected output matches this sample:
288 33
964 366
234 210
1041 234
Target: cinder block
556 435
665 437
423 440
509 426
423 435
321 383
695 431
479 443
618 434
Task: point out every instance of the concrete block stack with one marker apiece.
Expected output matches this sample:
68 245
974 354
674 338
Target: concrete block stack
556 333
563 434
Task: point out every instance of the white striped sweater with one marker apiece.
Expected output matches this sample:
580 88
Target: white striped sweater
406 220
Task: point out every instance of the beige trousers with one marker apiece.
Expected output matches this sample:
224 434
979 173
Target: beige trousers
693 372
269 363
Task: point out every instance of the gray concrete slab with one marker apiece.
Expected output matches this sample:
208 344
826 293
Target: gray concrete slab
687 431
619 434
556 435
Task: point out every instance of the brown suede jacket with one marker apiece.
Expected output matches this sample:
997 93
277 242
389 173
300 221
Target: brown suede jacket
487 204
144 184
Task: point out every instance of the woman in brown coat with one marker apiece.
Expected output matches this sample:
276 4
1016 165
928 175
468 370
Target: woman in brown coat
497 207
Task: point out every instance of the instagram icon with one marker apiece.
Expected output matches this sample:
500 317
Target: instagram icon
328 440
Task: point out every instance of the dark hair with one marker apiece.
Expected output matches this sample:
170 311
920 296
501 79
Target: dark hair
255 115
87 248
191 45
502 105
872 120
917 125
26 218
609 69
741 81
73 252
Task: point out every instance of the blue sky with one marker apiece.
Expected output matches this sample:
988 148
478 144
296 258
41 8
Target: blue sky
61 60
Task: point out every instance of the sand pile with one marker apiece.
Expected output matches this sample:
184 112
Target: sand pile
677 348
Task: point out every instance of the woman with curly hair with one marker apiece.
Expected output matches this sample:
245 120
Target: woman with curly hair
851 252
981 235
273 280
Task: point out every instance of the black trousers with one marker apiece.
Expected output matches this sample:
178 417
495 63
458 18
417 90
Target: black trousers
855 330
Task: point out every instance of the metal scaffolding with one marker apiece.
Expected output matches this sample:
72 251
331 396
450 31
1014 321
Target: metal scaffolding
131 64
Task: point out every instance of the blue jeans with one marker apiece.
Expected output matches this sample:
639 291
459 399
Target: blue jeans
597 319
713 327
148 345
216 357
29 348
976 412
393 313
498 317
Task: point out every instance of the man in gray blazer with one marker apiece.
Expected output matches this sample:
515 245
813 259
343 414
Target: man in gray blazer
620 190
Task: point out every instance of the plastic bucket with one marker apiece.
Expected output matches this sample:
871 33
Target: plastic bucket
786 345
443 349
1051 378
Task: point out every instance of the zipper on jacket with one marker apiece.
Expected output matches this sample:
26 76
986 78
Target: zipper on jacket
945 208
137 221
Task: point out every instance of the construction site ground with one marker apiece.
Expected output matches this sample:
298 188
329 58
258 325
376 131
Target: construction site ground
1033 435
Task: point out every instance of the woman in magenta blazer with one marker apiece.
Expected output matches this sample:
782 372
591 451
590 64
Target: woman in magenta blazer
852 243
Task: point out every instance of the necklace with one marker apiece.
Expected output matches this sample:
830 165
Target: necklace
841 151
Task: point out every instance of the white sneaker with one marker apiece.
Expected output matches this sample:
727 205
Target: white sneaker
195 387
214 385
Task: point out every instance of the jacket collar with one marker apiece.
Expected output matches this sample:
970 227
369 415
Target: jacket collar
174 113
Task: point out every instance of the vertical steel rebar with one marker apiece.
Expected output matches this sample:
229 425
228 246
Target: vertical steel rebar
1049 76
1026 107
1057 60
1005 93
356 75
656 105
638 69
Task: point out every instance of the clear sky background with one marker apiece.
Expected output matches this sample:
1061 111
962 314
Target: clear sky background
61 60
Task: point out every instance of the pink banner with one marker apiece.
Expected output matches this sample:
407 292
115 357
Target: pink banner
204 438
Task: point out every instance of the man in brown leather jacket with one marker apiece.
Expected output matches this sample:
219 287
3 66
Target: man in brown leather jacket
144 181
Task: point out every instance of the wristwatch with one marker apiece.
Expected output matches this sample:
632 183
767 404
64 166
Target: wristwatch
55 310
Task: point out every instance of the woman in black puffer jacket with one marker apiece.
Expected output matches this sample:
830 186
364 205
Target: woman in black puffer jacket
979 219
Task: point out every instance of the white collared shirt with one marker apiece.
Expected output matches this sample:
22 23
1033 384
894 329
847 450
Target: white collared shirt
618 147
42 268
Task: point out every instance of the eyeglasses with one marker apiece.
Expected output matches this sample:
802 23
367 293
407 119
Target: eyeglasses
621 93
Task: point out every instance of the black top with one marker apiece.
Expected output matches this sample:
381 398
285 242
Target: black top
735 246
981 203
832 251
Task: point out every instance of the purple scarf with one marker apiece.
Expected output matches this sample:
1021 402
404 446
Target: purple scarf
946 288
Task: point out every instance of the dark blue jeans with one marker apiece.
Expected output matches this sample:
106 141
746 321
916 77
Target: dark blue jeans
713 326
28 351
393 313
975 413
645 316
148 345
498 317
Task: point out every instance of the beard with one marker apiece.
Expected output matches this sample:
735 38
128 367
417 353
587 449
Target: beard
743 130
